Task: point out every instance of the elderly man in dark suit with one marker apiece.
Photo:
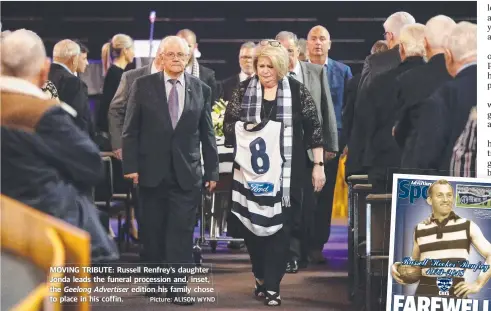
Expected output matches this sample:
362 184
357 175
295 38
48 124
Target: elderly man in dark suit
415 85
117 108
374 65
169 115
71 89
194 68
446 111
338 74
314 77
381 151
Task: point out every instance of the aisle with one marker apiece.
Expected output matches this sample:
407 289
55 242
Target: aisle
316 288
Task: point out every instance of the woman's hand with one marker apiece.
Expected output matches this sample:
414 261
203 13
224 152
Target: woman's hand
318 178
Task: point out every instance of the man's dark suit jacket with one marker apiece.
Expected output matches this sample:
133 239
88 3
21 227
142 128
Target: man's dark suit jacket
152 148
349 108
117 108
381 150
207 75
73 91
374 65
443 118
414 86
228 86
378 63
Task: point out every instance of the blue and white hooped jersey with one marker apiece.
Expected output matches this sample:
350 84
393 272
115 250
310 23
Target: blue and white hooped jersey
256 189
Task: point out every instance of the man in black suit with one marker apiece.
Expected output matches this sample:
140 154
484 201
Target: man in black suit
350 98
117 108
246 58
445 112
374 65
415 85
169 115
71 89
381 151
193 67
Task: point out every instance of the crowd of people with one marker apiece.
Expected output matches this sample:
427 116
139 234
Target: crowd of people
292 113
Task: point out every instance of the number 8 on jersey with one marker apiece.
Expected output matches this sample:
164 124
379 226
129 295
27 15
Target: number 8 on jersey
259 157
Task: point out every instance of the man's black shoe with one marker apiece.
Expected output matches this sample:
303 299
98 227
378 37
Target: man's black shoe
292 267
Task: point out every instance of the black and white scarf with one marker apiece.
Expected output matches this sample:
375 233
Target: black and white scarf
251 112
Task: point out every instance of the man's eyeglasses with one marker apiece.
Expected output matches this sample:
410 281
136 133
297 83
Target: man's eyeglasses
273 43
172 55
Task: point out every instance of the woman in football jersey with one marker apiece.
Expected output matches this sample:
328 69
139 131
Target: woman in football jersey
271 122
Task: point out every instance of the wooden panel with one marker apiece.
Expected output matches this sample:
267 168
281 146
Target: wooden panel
22 230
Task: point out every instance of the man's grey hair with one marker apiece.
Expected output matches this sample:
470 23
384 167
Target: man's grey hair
462 41
66 49
397 21
288 35
23 54
412 38
437 30
248 45
175 39
379 47
302 45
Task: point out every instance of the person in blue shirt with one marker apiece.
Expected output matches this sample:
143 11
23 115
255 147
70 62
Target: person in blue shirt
338 75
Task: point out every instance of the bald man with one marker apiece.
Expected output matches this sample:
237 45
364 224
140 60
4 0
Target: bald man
338 75
201 72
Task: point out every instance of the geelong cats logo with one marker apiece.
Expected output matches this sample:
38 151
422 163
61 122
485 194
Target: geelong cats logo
444 285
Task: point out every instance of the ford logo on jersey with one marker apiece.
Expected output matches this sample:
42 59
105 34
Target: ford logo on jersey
261 188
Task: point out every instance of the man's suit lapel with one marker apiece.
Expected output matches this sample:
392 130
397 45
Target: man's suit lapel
306 75
187 99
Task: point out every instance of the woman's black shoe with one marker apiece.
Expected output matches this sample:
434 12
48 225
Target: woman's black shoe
272 300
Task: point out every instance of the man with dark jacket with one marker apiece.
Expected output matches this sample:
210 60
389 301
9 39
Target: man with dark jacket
117 108
381 151
71 89
350 96
446 111
374 65
419 83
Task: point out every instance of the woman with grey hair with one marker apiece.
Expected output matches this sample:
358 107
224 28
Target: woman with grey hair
271 122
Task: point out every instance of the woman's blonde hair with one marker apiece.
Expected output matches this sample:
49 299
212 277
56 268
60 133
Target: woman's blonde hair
278 56
114 48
